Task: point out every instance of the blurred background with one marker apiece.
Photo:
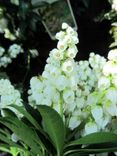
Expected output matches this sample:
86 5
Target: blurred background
28 27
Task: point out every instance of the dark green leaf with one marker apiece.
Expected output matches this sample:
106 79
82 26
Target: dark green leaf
25 133
29 117
54 126
36 122
96 138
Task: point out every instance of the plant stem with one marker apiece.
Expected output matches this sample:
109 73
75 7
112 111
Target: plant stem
61 105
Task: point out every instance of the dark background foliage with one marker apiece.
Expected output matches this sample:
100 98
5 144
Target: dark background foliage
93 33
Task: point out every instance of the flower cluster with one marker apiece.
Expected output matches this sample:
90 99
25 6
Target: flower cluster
13 51
102 102
88 73
6 57
9 96
65 83
58 84
84 91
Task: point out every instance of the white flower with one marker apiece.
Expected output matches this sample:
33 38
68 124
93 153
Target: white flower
14 50
111 108
71 52
112 95
60 35
93 98
90 127
75 39
4 61
54 71
9 96
36 84
74 122
68 96
73 82
97 112
61 82
61 45
46 101
70 106
45 74
110 68
103 83
112 55
65 25
70 31
68 39
68 66
57 54
80 102
110 104
49 91
56 97
38 97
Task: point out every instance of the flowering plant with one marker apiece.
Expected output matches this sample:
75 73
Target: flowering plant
111 15
71 105
7 56
78 91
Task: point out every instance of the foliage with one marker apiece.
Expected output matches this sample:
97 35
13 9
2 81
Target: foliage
30 131
19 22
22 17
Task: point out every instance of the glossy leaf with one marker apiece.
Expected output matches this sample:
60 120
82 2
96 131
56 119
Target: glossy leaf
25 133
95 138
54 127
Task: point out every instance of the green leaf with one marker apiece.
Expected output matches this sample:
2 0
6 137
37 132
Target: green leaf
5 148
89 151
54 126
93 149
95 138
36 122
29 117
25 133
5 139
8 142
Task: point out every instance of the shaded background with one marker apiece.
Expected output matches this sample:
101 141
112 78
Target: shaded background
93 37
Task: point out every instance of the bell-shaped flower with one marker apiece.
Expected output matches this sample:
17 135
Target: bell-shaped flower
90 127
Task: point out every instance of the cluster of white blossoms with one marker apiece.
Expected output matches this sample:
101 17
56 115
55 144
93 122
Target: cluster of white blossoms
9 96
102 103
58 84
84 91
88 74
13 51
7 56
